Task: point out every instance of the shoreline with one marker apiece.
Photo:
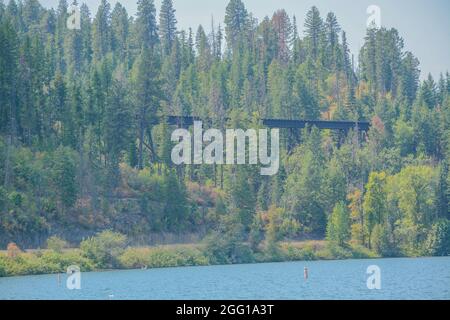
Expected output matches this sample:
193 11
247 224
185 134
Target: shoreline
222 265
49 262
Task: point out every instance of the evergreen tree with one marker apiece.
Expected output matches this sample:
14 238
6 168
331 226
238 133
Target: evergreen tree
2 9
73 49
64 176
428 92
283 33
410 77
303 199
176 211
203 49
236 22
147 30
117 127
8 73
86 32
243 197
120 29
167 26
346 63
314 30
332 30
147 96
101 31
61 30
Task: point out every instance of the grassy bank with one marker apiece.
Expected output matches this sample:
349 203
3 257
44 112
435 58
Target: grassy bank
51 261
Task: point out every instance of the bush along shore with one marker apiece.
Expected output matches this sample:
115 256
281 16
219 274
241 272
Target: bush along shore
108 250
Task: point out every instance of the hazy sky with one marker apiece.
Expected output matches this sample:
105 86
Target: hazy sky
423 24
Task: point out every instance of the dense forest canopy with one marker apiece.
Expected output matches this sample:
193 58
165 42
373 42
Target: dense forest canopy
81 152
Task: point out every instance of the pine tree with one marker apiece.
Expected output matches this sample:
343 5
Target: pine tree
147 30
428 93
31 13
147 96
61 30
167 26
64 176
236 22
8 74
243 196
302 198
170 73
217 39
409 77
346 63
116 126
8 93
332 30
2 9
351 108
283 33
186 92
120 29
86 33
176 211
73 49
203 48
368 60
314 30
101 32
442 89
306 99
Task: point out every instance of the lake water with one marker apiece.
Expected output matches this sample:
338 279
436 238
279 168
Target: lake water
422 278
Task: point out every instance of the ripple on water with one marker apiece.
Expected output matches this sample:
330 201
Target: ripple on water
423 278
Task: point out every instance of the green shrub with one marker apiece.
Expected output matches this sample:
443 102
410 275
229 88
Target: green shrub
66 259
134 258
227 249
16 198
217 250
161 257
361 252
334 252
381 243
438 241
43 263
56 244
191 257
26 265
2 267
296 254
104 249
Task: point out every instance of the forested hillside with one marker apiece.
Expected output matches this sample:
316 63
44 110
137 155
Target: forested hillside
84 146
